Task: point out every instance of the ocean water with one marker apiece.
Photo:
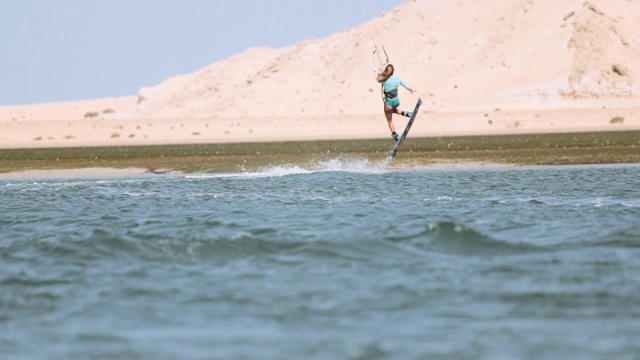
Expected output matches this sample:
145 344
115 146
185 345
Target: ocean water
342 260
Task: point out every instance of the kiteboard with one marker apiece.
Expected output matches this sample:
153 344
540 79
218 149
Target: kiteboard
406 130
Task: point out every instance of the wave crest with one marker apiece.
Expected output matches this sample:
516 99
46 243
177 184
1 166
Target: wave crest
457 239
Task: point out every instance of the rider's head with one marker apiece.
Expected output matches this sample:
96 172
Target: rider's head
386 73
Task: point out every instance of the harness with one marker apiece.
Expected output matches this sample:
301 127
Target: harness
390 94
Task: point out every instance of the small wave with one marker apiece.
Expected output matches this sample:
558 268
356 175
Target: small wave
226 243
178 248
102 243
456 239
623 238
353 250
31 281
223 244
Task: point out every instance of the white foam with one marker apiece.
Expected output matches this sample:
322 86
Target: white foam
333 165
352 165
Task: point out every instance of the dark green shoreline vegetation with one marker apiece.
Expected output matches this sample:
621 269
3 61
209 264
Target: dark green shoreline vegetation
528 149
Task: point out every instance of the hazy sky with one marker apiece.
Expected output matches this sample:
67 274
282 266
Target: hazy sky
59 50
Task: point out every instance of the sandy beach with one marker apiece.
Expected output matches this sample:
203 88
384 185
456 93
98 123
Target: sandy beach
481 69
73 132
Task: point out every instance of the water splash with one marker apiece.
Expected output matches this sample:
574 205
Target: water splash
352 165
356 165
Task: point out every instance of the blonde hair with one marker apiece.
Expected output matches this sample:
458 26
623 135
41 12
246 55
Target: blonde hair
385 74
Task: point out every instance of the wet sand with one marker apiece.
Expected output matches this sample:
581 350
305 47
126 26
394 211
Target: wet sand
525 149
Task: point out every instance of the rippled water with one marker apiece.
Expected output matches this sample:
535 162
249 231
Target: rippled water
340 261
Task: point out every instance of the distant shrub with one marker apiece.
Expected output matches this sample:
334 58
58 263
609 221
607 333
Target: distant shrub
515 124
91 114
69 137
568 16
108 111
619 69
115 135
38 138
616 120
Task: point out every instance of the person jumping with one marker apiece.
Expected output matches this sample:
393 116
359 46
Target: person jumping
390 85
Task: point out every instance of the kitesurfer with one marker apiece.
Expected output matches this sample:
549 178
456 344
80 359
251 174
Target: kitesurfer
390 84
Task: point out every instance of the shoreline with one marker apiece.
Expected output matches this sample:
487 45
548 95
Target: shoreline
97 172
78 173
523 149
111 173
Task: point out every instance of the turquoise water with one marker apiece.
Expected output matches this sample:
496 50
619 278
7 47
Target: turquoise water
345 260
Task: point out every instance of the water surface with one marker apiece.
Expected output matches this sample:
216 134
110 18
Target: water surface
341 260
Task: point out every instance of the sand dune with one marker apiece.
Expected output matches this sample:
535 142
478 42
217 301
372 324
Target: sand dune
462 55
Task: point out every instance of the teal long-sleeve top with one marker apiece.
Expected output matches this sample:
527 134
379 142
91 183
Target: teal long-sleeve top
392 84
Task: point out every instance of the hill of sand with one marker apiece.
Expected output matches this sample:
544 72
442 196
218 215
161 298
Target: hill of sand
460 55
481 67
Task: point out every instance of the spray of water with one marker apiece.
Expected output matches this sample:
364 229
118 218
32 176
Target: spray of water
354 165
